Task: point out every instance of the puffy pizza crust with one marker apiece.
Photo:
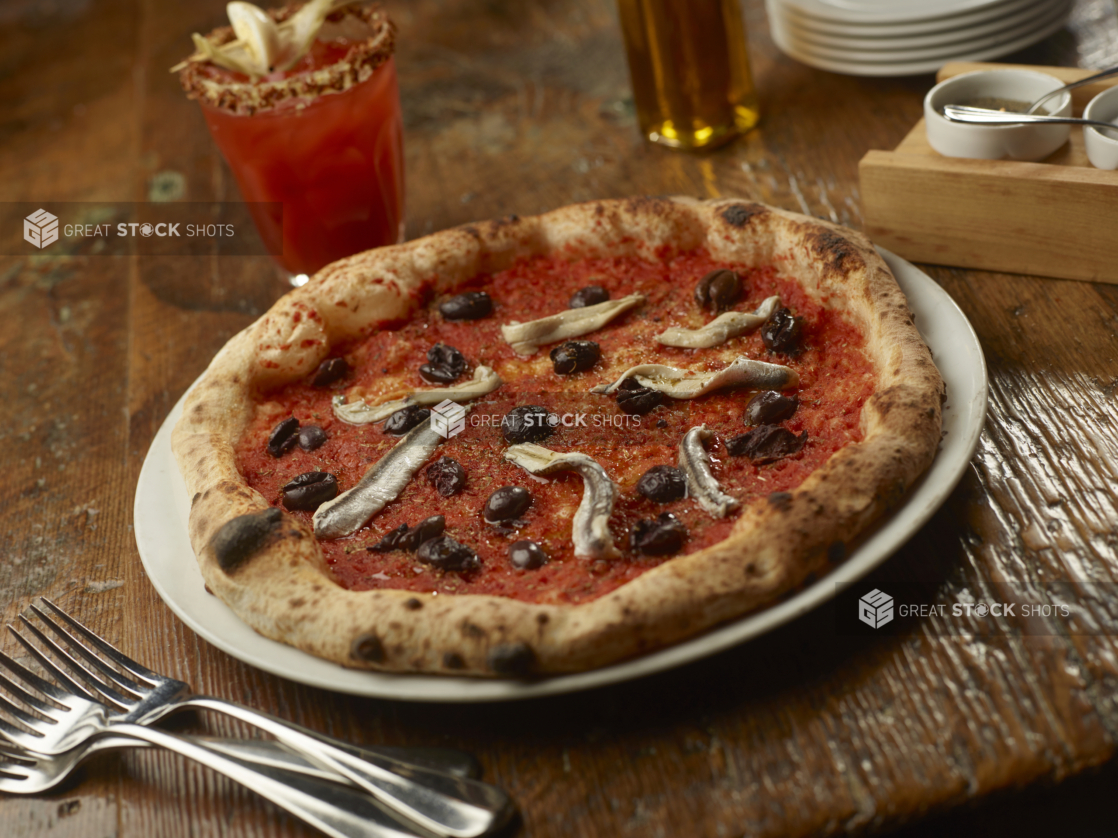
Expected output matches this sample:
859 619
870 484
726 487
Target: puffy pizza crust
280 585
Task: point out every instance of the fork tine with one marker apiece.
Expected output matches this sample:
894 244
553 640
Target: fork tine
24 696
106 670
30 678
18 712
14 755
111 652
50 666
103 690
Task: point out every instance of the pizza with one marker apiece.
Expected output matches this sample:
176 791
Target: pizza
545 444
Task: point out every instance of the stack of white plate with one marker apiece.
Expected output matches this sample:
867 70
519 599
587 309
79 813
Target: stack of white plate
908 37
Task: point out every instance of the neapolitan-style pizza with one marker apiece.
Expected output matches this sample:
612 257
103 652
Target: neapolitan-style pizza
541 445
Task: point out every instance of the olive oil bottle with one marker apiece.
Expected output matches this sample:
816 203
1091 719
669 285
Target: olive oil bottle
689 64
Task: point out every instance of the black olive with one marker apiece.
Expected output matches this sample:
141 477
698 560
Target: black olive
770 407
406 418
658 538
473 305
309 491
718 290
637 400
506 504
411 539
330 371
444 365
782 332
447 476
447 554
591 295
527 555
391 541
528 423
663 484
766 443
575 356
311 437
283 437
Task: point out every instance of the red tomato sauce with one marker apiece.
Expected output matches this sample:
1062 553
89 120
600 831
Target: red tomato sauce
835 381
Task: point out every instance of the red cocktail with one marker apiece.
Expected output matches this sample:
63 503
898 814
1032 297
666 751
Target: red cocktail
324 137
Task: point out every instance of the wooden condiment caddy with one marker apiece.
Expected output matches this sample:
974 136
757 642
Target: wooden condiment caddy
1052 218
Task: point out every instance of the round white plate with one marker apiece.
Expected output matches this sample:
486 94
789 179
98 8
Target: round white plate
913 68
963 35
162 506
888 11
1044 16
887 30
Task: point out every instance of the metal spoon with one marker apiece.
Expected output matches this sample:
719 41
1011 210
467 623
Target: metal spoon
983 116
1111 72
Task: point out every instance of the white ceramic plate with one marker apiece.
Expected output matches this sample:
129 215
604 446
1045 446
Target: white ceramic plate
912 68
162 506
1045 15
963 35
880 30
889 11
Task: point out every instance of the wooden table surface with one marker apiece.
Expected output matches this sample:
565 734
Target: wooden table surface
521 107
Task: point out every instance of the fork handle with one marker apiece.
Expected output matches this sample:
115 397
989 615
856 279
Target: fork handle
267 752
336 810
431 802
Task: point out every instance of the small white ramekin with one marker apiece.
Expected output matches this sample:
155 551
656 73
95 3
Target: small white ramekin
1102 150
994 142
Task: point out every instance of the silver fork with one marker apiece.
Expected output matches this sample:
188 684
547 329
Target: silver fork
430 801
338 811
268 753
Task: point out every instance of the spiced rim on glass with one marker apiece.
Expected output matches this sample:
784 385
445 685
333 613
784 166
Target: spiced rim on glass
321 135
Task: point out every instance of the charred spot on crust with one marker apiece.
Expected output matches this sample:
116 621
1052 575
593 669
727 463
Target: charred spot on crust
239 539
512 659
781 500
368 648
412 604
739 215
834 250
836 552
496 225
646 204
453 660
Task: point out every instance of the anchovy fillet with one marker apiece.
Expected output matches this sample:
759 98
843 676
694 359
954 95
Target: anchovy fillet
590 528
485 381
694 461
687 384
526 338
721 328
382 484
